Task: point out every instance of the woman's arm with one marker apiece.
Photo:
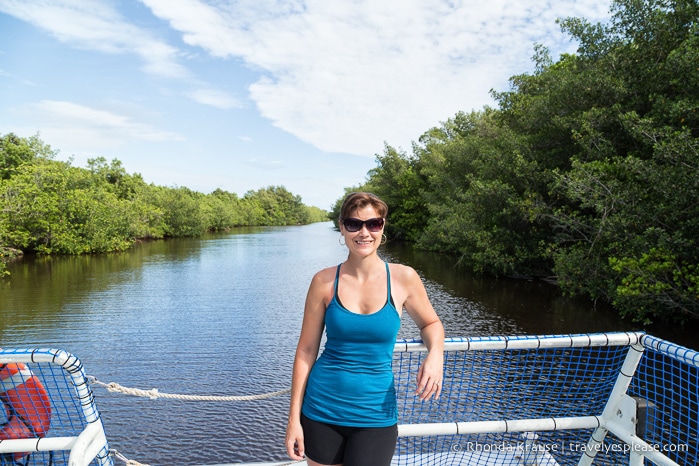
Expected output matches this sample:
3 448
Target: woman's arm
306 354
418 306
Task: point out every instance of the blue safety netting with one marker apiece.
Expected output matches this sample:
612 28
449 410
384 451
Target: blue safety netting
548 382
667 379
63 386
496 380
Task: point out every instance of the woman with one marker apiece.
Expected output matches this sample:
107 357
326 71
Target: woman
343 406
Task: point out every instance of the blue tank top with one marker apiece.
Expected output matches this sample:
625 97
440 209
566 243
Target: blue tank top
351 383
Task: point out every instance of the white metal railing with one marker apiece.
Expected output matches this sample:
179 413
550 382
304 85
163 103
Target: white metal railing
617 416
74 399
524 389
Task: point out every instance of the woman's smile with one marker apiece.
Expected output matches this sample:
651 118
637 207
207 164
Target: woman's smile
364 241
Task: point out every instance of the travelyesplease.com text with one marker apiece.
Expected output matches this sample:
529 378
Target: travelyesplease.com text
565 447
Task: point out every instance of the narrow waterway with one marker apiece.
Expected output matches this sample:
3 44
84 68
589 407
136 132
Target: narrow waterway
220 315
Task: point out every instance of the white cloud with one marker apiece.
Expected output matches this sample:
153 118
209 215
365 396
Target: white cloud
5 74
214 98
341 75
67 124
346 75
266 164
96 25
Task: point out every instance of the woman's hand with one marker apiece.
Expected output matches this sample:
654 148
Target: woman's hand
294 441
429 377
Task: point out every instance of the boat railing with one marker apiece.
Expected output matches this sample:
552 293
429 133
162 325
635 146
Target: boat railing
608 399
622 398
49 386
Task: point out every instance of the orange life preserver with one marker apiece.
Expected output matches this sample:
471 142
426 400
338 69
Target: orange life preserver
27 404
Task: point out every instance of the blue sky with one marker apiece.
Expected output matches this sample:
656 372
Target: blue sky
244 94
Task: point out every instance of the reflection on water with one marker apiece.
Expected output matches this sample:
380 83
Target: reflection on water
476 305
220 316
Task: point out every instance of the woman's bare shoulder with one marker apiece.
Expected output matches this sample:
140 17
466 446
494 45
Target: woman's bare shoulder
322 286
324 277
403 273
325 274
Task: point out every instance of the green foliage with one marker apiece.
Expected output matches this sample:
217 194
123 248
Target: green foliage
588 170
482 191
51 207
222 210
277 206
7 255
657 277
397 181
182 215
632 186
316 214
15 151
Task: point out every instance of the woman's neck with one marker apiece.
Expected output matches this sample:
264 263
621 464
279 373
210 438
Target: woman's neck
362 266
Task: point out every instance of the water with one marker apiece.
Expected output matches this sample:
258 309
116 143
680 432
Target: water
221 316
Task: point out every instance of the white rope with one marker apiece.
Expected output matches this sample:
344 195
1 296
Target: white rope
154 394
128 462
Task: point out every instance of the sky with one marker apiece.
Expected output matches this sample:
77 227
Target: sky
240 95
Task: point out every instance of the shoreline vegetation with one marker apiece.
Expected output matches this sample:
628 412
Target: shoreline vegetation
50 207
586 174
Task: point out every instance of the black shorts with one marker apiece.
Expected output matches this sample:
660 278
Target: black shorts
351 446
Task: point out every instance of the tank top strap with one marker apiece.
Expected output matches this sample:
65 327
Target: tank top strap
337 278
388 283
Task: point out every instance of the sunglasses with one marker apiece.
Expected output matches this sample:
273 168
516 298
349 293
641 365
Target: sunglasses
354 224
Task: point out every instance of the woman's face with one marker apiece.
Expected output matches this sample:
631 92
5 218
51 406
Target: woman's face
362 242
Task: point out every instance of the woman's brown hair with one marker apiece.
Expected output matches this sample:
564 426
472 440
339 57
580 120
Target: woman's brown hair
355 201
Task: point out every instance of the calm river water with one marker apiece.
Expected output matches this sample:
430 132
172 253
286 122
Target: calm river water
220 315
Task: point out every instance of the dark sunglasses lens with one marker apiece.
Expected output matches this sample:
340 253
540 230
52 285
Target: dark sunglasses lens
374 224
353 224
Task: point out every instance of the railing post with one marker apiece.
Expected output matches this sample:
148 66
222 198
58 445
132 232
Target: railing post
621 386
